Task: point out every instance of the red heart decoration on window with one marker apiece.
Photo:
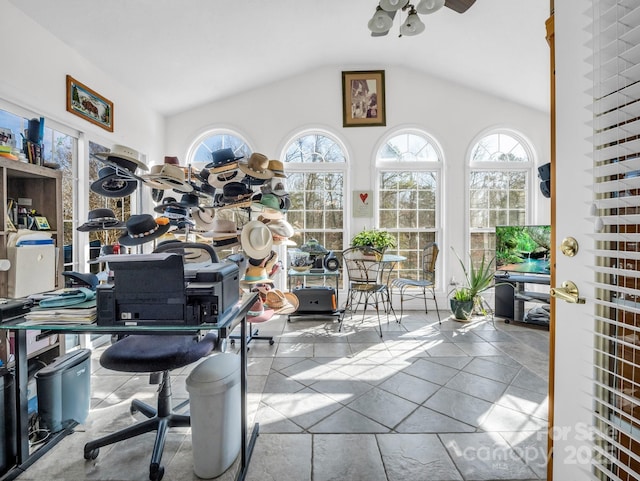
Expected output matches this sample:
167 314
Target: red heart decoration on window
363 197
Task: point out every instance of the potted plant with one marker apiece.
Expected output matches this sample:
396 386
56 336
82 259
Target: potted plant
466 299
378 239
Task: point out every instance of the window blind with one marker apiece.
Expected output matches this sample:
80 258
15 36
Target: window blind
616 209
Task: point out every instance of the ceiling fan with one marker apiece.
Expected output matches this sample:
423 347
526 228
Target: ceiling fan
382 19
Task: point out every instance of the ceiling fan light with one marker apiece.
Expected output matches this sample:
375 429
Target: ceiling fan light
381 22
429 6
412 25
392 5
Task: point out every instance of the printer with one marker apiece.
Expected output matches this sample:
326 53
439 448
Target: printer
160 289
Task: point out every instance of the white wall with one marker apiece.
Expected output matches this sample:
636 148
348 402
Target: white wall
34 77
269 116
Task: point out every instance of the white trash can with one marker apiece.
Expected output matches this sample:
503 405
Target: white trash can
214 396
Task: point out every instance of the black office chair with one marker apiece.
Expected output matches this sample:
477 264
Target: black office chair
156 354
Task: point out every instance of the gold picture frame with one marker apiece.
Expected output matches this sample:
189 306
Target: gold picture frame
89 104
363 99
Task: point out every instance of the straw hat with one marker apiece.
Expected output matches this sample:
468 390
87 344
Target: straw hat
256 166
125 157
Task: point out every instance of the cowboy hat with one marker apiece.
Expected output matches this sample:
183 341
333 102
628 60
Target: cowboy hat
268 205
235 192
277 167
275 186
143 228
204 217
110 184
222 157
168 176
281 230
220 179
223 229
255 275
280 304
256 239
101 219
186 201
125 157
257 312
256 166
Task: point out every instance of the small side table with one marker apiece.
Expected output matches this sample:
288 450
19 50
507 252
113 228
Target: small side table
293 275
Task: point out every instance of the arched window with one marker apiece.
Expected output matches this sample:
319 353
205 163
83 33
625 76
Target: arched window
200 154
409 176
500 164
315 163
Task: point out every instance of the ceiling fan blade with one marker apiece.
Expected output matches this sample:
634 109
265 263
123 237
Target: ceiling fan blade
459 6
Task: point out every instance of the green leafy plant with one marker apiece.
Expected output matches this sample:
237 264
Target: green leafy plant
379 239
478 278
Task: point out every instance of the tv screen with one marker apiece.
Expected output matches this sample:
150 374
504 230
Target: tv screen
523 249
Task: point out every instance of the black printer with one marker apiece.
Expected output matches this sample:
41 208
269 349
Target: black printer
152 289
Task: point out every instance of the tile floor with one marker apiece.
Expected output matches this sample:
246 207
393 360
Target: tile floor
460 401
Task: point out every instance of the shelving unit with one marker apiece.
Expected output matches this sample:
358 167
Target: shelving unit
44 187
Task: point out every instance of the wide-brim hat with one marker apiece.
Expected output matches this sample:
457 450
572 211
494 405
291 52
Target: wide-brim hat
268 205
110 184
220 179
281 230
168 176
222 157
186 201
101 219
125 157
143 228
293 300
255 275
223 229
258 313
175 211
274 186
256 239
235 192
277 167
276 300
204 217
256 166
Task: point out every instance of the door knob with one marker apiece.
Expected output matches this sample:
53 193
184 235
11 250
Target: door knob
567 292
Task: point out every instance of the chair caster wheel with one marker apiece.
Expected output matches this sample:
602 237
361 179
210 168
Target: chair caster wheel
271 341
156 472
93 454
132 410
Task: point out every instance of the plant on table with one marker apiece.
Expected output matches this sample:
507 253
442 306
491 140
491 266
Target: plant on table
378 239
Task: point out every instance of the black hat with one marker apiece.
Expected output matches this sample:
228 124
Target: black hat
222 157
235 192
110 184
101 219
186 201
143 228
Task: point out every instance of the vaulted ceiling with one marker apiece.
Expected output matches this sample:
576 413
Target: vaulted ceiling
181 53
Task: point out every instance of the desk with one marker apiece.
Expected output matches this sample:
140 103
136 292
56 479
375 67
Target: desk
227 322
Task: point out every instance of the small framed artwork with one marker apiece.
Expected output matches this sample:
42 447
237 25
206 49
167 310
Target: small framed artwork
362 203
42 223
363 99
88 104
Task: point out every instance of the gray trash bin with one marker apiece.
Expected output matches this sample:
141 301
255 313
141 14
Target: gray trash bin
214 396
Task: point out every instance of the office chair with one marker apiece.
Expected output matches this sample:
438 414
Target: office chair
364 267
156 354
425 283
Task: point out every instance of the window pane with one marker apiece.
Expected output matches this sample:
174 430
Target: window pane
499 148
314 148
408 148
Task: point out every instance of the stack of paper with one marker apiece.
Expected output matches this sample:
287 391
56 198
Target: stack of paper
84 313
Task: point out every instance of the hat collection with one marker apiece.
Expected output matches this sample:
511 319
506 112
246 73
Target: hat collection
188 200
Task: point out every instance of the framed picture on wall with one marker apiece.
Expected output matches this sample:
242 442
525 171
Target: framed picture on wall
363 99
88 104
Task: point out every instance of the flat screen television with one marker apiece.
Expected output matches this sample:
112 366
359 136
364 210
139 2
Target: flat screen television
523 249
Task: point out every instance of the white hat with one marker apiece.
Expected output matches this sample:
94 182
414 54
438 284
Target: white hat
256 239
169 176
120 152
281 230
204 217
